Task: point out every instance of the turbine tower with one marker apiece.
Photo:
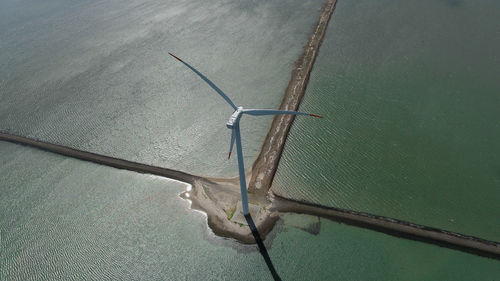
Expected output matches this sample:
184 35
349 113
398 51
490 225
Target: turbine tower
234 124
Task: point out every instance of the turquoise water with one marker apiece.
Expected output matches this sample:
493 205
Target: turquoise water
96 75
65 219
410 95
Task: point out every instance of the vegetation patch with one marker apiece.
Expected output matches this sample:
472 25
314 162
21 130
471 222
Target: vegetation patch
230 212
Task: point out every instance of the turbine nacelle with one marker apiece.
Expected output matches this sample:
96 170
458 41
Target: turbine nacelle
235 117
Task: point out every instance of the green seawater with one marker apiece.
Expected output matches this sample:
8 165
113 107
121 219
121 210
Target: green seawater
410 94
96 75
65 219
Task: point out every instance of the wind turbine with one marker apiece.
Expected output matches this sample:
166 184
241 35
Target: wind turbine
234 124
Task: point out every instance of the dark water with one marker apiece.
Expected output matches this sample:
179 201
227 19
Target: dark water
410 92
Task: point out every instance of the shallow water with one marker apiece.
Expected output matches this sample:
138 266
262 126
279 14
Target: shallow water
65 219
410 95
96 75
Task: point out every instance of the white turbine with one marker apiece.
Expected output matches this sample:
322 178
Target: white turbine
234 125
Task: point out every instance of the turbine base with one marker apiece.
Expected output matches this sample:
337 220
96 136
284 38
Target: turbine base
239 217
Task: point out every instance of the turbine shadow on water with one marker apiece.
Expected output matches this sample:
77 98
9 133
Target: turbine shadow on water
262 247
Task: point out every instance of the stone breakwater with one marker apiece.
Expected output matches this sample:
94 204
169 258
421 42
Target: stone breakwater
210 195
266 164
217 197
394 227
100 159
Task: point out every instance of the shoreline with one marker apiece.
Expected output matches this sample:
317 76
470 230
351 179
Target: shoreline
218 198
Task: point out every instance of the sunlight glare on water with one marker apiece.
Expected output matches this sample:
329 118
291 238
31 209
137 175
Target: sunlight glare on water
96 75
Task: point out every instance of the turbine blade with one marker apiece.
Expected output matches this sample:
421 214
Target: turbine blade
231 145
260 112
210 83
